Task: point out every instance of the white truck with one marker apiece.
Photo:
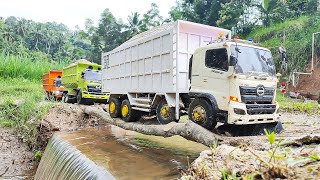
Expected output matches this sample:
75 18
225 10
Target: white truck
189 67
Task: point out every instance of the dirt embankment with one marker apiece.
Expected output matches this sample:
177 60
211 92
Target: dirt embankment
296 158
65 117
18 161
309 84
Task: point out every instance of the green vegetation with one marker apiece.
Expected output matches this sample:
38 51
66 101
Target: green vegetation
295 35
20 108
296 105
24 67
56 42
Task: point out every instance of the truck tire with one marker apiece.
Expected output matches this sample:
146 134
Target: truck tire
80 100
114 107
65 98
202 112
164 113
127 113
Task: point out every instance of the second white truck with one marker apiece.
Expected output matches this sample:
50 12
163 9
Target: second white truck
189 67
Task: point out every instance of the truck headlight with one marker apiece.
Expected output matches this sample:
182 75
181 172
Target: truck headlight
239 111
57 92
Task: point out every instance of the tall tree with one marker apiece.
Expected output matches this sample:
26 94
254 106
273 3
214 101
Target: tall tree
135 24
200 11
152 18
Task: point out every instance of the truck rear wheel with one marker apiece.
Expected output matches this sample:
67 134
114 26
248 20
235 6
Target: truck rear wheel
165 114
127 113
114 107
202 112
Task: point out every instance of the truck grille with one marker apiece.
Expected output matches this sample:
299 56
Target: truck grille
249 95
94 89
255 109
258 104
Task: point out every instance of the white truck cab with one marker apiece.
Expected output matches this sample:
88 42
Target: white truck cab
189 67
239 81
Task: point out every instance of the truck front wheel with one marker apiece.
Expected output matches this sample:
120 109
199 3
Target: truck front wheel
80 100
202 112
165 114
114 107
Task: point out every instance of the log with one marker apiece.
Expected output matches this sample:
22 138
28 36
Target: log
300 141
189 130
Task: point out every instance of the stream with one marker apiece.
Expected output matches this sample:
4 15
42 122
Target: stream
114 153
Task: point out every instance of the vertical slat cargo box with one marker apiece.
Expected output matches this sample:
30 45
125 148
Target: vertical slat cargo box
48 80
147 63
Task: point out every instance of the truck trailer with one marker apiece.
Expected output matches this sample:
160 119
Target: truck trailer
188 67
82 79
51 83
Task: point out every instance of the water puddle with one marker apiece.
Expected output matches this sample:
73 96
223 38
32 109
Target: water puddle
130 155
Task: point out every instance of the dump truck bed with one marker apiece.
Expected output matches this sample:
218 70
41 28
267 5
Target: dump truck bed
48 80
72 73
156 61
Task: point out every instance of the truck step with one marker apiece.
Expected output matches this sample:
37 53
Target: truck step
141 105
145 100
141 109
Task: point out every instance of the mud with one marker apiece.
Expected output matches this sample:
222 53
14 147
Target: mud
64 117
16 161
251 154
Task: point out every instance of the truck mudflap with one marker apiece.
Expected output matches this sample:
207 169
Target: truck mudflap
242 114
88 95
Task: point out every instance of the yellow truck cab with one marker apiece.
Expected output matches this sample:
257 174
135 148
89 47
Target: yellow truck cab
83 82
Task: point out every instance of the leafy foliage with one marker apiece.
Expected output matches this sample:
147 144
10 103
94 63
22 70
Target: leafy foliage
295 35
19 107
22 37
32 66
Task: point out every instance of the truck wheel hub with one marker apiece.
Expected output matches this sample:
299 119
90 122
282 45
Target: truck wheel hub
165 111
199 114
112 107
125 110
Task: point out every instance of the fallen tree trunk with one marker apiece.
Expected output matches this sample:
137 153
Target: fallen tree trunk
189 130
300 141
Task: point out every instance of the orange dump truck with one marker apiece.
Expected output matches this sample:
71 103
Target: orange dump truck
52 84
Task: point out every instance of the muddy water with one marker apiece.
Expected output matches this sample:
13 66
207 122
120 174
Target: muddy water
129 155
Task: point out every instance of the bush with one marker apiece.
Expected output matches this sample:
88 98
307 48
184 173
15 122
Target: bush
32 67
20 108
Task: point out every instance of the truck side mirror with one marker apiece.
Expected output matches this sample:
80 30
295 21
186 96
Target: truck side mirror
233 60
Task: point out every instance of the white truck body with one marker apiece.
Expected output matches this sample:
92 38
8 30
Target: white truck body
156 61
153 67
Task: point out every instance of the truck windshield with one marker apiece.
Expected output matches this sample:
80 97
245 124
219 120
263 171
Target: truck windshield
92 75
253 61
57 82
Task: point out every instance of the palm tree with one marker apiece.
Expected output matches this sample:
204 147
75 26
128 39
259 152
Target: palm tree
22 26
37 35
269 9
135 23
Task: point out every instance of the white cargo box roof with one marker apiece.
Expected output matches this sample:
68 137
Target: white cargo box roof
147 62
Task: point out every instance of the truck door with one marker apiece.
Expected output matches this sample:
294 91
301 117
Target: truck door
215 76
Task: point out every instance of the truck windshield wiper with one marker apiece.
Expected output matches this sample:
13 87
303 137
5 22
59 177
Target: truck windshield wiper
255 73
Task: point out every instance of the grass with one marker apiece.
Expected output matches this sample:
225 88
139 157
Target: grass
293 105
295 35
28 68
20 108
